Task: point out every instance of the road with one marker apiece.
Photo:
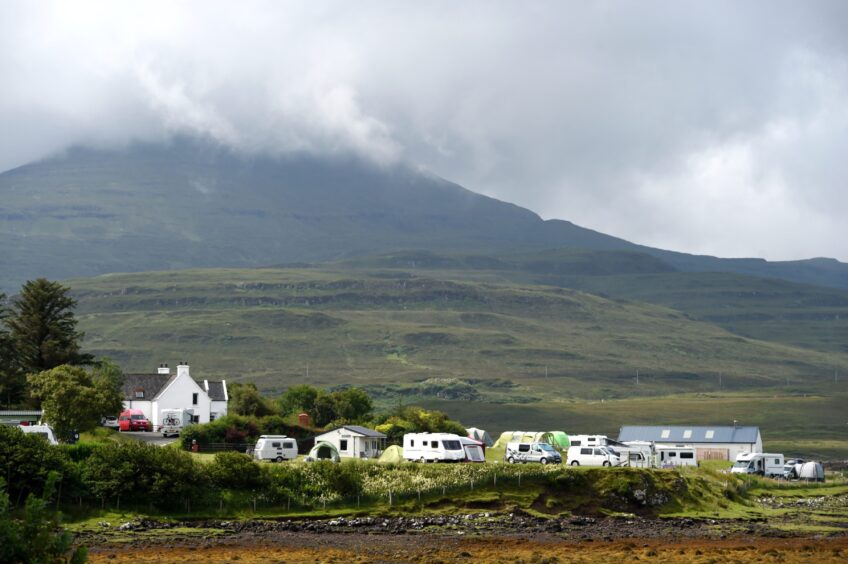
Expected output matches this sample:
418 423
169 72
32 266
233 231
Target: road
152 438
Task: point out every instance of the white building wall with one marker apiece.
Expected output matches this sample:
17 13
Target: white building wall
178 395
145 406
219 408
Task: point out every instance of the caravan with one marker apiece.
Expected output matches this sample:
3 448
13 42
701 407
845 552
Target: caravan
275 447
433 447
670 456
764 464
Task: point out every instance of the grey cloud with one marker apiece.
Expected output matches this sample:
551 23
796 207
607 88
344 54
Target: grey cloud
715 127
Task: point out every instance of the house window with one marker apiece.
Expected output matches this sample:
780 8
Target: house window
687 434
195 419
666 433
139 394
710 434
193 399
212 416
343 444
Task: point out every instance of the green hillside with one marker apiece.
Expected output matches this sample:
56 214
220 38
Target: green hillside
406 335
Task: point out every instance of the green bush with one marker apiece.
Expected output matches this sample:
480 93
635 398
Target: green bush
27 459
235 471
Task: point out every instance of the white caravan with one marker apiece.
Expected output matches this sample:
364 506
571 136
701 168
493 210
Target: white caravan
433 447
592 456
542 453
275 447
587 440
762 463
669 456
173 421
42 431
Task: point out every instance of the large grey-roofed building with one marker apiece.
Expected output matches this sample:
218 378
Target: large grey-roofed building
714 442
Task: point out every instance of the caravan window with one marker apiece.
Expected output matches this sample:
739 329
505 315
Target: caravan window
672 454
343 444
687 455
411 442
524 448
585 451
288 444
575 443
275 445
434 444
452 445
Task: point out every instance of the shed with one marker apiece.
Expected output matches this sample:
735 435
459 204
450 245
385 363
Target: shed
711 442
354 441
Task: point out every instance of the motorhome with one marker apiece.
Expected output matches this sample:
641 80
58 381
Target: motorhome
588 440
762 463
542 453
173 421
636 456
433 447
592 456
669 456
42 431
275 447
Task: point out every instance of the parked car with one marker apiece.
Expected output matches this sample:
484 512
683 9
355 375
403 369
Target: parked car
110 421
792 467
134 420
592 456
275 447
543 453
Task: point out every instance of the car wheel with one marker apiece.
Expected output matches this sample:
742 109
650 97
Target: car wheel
544 461
511 460
279 459
606 463
575 463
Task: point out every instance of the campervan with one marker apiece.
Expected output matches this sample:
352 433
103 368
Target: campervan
433 447
133 420
588 440
593 456
542 453
764 464
42 431
636 456
173 421
275 447
669 456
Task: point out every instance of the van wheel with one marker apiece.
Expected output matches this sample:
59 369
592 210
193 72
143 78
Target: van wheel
544 461
511 460
575 463
606 463
279 459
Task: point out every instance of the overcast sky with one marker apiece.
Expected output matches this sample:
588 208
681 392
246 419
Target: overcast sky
708 127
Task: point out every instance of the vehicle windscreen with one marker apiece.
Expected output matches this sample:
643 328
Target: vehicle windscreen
547 447
137 417
452 445
741 464
612 451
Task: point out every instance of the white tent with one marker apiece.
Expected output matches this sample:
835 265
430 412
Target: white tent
811 471
324 451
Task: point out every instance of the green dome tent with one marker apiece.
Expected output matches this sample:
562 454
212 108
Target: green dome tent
324 451
392 455
557 439
480 435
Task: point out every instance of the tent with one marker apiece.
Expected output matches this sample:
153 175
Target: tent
811 471
480 435
557 439
324 451
392 455
473 449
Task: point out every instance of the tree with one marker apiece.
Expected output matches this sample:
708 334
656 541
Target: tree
299 398
353 404
43 328
12 380
74 398
246 400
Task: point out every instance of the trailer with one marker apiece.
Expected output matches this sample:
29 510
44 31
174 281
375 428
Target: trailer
433 447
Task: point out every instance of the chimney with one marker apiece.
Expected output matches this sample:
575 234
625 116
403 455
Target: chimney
182 368
163 369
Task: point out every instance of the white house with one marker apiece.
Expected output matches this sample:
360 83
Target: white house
152 393
353 441
711 442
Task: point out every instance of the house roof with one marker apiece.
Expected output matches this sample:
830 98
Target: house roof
152 384
689 434
364 431
216 390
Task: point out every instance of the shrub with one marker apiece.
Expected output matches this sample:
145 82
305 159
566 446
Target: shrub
235 471
27 459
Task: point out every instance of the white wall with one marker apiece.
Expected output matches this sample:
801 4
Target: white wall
178 395
218 407
144 405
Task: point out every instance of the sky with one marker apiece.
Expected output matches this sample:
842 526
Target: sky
708 127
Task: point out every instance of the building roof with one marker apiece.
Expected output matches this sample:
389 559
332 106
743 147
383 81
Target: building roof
150 383
216 390
364 431
689 434
18 413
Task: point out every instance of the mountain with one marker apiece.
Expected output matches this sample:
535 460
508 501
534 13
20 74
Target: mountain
190 203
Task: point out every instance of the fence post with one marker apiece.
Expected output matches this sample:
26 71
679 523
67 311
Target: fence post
519 479
390 498
495 479
357 501
472 483
419 494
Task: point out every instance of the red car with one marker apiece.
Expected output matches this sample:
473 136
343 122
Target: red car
134 420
